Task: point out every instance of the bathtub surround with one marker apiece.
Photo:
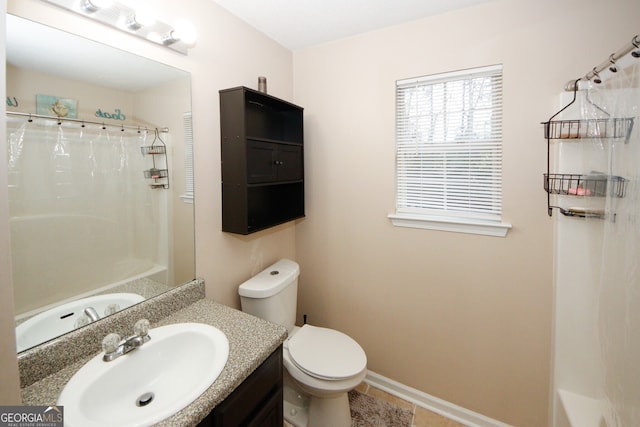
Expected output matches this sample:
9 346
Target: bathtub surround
79 192
597 328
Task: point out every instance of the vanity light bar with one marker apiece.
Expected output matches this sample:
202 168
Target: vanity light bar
126 18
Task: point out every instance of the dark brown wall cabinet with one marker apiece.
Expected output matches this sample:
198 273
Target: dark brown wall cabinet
257 402
262 155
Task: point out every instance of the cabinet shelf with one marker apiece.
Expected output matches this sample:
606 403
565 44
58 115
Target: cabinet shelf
584 185
276 141
589 129
262 154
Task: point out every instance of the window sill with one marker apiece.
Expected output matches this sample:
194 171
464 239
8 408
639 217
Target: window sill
456 225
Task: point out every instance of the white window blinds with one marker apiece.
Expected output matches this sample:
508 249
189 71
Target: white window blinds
449 144
187 122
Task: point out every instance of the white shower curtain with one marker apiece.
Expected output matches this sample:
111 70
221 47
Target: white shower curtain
618 293
80 207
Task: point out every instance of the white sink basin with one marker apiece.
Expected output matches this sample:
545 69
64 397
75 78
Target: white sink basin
148 384
62 319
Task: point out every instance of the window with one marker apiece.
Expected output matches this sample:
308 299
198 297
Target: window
187 123
449 152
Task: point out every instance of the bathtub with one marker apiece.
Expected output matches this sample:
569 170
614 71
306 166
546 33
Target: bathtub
64 318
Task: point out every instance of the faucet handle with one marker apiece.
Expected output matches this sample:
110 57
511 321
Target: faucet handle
111 308
141 328
110 343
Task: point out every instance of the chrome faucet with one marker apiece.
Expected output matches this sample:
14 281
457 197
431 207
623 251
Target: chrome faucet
91 313
115 347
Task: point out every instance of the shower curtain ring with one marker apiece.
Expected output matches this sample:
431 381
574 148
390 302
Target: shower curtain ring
636 44
596 76
613 68
30 118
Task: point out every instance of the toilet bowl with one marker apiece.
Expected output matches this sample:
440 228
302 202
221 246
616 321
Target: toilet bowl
326 365
322 363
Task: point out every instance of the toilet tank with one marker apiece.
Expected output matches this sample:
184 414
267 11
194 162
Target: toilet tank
272 294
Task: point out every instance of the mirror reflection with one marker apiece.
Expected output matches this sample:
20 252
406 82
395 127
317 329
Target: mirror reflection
100 183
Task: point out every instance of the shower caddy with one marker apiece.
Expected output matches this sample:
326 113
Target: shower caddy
159 172
589 185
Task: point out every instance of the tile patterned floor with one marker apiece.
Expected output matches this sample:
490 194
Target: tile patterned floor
421 417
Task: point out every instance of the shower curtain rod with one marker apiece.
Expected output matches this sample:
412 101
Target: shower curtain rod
103 124
633 44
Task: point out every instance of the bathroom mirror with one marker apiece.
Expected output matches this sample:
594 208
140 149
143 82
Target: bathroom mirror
100 182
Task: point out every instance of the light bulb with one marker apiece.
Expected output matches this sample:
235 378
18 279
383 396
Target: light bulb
94 5
145 15
185 32
101 3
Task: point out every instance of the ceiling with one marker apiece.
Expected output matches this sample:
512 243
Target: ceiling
297 24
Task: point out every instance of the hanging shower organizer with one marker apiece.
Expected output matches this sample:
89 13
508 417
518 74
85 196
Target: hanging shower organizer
584 185
159 171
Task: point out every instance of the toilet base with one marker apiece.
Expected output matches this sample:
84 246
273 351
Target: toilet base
329 411
296 406
302 410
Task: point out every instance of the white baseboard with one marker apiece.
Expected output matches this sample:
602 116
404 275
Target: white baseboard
432 403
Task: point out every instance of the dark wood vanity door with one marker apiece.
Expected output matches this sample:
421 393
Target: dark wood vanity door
257 402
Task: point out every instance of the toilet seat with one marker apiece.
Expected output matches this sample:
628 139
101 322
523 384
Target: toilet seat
326 353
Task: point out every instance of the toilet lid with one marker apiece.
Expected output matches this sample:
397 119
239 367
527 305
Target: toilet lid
326 353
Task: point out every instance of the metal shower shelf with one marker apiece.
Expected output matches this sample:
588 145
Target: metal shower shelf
159 170
153 149
596 185
589 128
154 173
585 213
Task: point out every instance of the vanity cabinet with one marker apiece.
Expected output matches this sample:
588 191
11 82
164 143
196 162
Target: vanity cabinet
257 402
262 155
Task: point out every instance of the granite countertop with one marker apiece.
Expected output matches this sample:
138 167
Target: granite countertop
251 341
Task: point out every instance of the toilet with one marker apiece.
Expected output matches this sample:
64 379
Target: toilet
322 364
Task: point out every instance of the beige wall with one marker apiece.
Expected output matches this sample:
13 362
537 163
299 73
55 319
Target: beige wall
24 84
228 53
465 318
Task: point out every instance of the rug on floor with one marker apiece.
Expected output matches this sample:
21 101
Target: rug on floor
367 411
